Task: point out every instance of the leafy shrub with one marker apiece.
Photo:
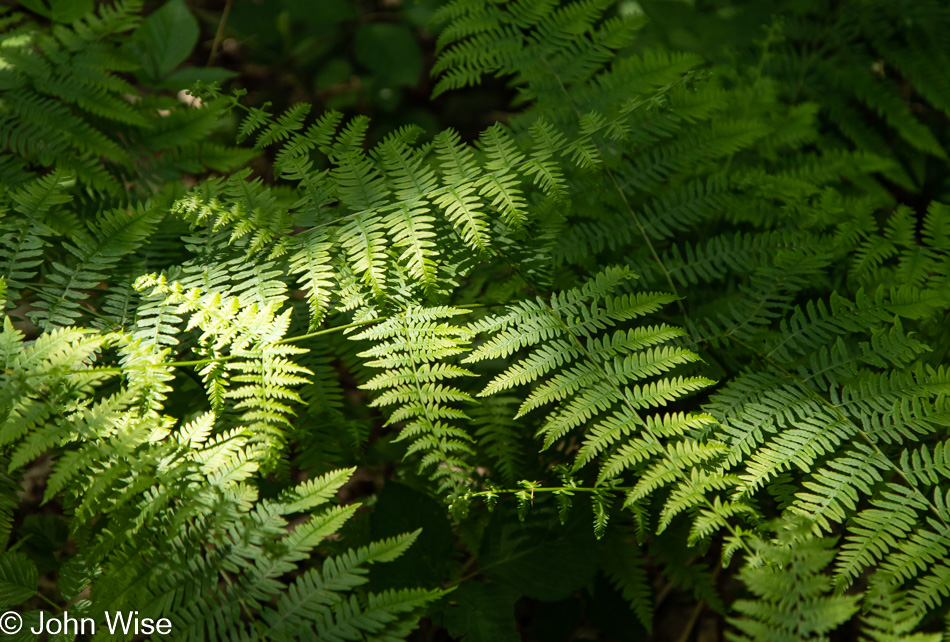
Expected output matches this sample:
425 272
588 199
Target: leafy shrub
666 330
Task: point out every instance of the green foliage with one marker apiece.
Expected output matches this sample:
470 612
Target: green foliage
68 105
793 600
870 66
355 57
665 328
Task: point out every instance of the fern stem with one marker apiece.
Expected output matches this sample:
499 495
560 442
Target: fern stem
146 366
664 592
623 197
653 253
295 339
337 328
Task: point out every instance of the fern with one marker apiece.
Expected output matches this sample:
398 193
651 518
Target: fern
792 595
413 347
667 319
589 373
192 485
66 103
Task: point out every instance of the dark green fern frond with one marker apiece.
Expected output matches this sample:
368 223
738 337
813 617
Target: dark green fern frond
527 40
604 381
793 598
67 103
499 435
21 243
115 235
623 563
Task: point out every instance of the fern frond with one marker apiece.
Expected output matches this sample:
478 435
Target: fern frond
578 361
792 595
413 346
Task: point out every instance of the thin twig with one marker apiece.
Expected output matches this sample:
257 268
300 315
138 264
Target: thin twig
693 618
219 35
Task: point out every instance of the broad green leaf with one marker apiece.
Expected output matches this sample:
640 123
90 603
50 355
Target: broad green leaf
166 38
18 579
401 509
481 612
521 553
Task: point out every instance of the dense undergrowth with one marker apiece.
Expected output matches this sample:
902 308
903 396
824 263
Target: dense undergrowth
659 353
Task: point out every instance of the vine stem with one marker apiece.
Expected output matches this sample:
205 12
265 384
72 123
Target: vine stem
202 362
337 328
